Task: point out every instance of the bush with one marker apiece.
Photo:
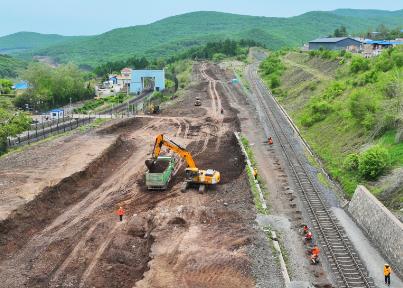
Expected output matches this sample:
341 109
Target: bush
359 64
274 81
373 162
317 111
363 107
351 162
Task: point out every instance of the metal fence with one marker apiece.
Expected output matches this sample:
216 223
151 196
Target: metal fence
44 129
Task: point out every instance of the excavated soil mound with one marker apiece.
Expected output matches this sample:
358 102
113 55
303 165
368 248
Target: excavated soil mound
33 217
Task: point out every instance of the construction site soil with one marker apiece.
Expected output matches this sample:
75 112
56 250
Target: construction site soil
67 233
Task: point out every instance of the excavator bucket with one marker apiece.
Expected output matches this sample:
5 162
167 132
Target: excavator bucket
150 163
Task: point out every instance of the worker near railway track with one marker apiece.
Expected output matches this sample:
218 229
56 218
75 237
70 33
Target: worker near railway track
315 254
387 271
255 173
270 141
305 229
120 213
308 237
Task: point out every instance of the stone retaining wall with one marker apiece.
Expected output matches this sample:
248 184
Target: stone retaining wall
383 228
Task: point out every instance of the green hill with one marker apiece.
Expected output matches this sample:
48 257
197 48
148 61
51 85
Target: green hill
9 66
173 34
27 41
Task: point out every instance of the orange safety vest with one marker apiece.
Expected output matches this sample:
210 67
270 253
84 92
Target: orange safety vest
387 271
315 251
121 212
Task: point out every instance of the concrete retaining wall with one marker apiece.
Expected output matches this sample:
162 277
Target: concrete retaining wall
384 229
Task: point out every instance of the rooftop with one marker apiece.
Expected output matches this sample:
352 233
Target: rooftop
333 39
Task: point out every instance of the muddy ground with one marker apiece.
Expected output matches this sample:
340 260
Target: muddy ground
68 234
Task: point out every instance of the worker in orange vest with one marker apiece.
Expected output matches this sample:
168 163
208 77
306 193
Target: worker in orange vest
386 272
315 254
255 173
120 213
270 141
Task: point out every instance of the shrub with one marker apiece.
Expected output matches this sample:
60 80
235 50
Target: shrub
351 162
373 162
317 111
274 81
334 90
363 107
359 64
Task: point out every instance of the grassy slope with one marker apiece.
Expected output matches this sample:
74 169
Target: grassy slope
338 134
170 35
9 66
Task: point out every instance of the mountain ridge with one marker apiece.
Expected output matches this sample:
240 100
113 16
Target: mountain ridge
170 35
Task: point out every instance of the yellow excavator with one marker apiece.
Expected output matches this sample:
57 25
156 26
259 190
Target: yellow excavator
193 174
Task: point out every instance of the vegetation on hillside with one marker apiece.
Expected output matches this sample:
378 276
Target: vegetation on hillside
169 36
53 87
219 50
10 66
272 68
352 119
11 124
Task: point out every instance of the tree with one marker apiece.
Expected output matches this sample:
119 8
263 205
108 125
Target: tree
5 86
52 87
340 32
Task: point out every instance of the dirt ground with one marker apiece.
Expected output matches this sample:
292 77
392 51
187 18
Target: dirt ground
66 232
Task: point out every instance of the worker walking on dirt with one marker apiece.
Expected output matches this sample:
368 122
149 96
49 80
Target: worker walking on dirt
222 110
255 173
120 213
270 141
305 229
387 271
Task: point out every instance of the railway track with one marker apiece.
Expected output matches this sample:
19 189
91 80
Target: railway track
344 261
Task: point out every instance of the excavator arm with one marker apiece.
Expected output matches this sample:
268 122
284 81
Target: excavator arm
178 149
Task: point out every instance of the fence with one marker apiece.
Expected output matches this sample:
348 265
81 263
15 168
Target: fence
46 129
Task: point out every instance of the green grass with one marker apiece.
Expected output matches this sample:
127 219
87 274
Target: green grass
251 178
395 149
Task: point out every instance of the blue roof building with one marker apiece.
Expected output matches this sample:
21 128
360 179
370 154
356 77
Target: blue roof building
334 43
23 85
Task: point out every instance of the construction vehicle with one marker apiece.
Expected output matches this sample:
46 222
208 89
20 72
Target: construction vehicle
153 109
198 102
159 174
194 175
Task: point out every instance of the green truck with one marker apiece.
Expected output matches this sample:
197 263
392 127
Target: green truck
160 172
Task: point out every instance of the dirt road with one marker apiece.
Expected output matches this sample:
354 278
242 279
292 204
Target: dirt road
70 236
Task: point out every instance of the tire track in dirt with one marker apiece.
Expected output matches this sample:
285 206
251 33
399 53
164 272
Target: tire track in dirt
73 255
98 254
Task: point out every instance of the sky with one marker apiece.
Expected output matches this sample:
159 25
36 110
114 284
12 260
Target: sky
89 17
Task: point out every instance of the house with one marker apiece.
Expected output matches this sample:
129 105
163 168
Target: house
23 85
126 72
56 113
138 83
375 47
336 43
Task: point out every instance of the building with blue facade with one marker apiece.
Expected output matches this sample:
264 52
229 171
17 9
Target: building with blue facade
138 77
336 43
